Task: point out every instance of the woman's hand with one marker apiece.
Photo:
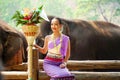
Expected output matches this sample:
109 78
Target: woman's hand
63 65
36 46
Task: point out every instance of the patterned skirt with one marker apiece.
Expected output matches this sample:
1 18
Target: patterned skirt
52 69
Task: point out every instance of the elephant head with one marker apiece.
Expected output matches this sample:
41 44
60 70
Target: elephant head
12 45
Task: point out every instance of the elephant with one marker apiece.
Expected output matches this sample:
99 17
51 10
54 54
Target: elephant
12 45
90 40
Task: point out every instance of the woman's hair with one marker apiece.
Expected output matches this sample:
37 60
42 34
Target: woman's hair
59 20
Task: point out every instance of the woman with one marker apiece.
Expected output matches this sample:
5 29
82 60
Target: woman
57 47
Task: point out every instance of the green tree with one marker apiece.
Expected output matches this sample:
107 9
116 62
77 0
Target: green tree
107 10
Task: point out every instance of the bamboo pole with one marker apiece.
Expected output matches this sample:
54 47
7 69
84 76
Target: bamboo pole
30 63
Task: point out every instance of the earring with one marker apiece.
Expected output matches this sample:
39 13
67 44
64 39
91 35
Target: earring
61 29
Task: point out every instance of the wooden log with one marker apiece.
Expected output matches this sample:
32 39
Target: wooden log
90 64
14 75
94 64
35 64
88 75
97 75
20 67
17 75
78 65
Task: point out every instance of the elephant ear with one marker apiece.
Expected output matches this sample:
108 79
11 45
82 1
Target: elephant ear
7 28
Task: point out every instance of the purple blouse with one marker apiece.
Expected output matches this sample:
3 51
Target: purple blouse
64 44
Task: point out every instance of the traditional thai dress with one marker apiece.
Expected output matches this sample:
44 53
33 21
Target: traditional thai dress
56 52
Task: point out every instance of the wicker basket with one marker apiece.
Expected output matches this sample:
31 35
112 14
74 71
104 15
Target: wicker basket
31 31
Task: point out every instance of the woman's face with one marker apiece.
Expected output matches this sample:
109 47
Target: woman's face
55 25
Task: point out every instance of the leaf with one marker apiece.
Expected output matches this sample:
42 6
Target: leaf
34 15
40 8
14 16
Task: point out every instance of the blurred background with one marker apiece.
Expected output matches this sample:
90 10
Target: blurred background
102 10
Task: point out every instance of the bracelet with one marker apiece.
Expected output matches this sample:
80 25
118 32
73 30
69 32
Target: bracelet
65 63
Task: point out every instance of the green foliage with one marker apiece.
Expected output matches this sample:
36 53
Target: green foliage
85 7
55 7
70 9
93 17
117 13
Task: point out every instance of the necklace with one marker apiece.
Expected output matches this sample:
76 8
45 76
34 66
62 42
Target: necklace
55 45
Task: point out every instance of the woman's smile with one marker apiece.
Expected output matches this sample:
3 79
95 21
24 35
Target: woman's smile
54 28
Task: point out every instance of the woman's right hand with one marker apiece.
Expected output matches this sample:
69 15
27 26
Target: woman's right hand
36 46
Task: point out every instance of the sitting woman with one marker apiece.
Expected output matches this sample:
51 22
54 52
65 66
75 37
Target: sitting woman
58 47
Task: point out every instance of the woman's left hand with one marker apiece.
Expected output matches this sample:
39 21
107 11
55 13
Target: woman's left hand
63 65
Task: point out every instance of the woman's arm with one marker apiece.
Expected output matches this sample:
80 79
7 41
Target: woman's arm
63 65
44 48
68 52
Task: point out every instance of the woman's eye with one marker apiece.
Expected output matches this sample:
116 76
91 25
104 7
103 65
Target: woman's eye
56 24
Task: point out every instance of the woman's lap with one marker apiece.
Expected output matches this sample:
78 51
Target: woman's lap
53 70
